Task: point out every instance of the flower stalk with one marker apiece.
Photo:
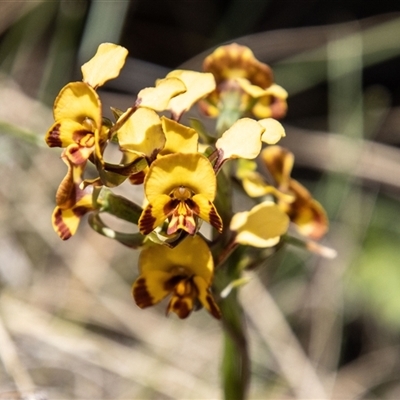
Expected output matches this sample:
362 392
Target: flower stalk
235 362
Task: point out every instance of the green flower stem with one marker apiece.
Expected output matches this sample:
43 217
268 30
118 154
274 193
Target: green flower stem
229 109
121 121
235 362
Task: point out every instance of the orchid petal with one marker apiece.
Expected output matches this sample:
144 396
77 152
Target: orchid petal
236 61
142 133
206 210
206 298
241 140
66 132
307 214
252 90
149 288
279 162
79 102
261 226
180 138
198 85
193 171
155 214
157 98
192 256
66 221
106 64
274 130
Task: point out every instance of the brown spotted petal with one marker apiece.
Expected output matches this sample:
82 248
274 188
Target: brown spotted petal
72 201
65 132
75 158
155 214
205 297
236 61
66 221
279 162
307 213
184 295
273 104
206 210
150 288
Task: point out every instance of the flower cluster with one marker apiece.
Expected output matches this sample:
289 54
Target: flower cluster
187 173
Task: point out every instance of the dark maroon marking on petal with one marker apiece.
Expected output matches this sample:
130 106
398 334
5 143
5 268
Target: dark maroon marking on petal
152 156
75 155
170 207
193 206
219 161
170 284
179 307
215 219
80 211
137 178
141 295
146 221
66 192
62 229
183 311
83 138
53 137
214 310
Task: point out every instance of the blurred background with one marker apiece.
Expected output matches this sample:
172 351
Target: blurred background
69 328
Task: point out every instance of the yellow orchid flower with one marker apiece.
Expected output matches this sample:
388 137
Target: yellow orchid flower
306 213
72 201
77 115
236 69
185 272
180 187
262 226
77 108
